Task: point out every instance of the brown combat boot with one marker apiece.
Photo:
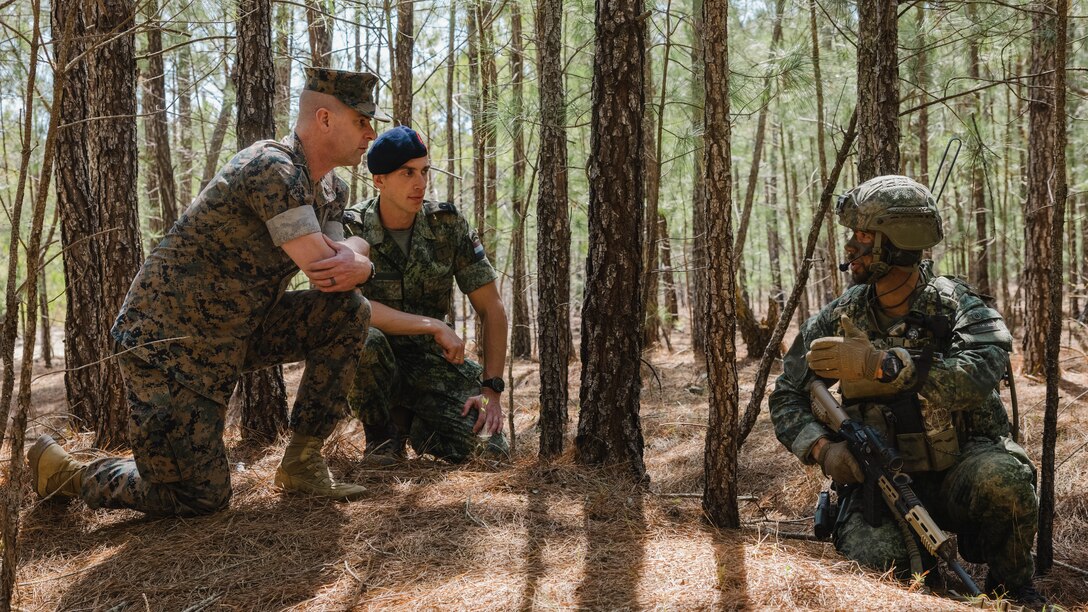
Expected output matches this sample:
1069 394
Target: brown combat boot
303 470
53 471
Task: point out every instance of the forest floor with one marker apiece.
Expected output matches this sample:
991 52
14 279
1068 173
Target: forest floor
519 535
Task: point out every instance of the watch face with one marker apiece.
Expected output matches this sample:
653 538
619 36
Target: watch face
495 384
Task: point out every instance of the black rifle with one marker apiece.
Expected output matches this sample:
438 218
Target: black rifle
883 467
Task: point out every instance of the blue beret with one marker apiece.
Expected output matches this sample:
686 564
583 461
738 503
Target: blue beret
393 149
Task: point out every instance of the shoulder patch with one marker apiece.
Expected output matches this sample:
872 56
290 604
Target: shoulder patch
477 246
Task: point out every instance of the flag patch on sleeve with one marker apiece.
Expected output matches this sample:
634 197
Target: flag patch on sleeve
477 247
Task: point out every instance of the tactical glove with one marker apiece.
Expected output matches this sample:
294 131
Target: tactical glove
852 357
838 463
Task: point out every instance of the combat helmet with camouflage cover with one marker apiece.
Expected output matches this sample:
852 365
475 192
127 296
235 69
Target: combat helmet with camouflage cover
899 207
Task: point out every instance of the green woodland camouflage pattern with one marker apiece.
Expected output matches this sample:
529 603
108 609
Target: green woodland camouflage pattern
209 304
988 494
408 373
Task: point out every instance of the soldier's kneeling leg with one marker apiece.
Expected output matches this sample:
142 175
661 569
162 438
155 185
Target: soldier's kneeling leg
438 428
990 499
878 548
179 465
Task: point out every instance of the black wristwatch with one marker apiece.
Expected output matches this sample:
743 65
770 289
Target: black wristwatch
890 368
495 384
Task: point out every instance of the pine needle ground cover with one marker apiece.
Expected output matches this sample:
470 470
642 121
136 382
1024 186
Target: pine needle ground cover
500 537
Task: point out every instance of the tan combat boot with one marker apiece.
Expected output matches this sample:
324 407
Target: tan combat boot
304 470
53 470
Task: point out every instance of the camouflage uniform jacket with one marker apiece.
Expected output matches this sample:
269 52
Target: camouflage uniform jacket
960 389
213 279
442 248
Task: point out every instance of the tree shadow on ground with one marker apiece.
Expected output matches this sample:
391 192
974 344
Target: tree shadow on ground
732 572
252 558
616 534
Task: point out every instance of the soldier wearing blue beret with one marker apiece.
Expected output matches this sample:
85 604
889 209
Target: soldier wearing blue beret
414 382
211 303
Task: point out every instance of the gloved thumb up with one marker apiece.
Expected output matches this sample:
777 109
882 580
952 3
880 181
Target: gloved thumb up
851 357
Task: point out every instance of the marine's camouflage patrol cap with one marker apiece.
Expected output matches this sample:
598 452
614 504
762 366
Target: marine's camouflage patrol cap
899 207
356 89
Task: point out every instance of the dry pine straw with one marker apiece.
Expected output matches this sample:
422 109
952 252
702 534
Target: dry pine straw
515 536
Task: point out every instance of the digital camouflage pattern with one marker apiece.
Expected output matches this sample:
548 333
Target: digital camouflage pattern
405 373
209 304
987 494
215 277
409 373
356 89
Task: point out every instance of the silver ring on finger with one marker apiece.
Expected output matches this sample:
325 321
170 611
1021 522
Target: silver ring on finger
332 281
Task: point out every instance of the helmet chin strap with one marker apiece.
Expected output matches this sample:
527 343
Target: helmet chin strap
877 269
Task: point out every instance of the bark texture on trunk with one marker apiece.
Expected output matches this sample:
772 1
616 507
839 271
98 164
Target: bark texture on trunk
609 432
878 89
1039 221
521 344
158 130
263 394
402 63
720 454
553 231
96 191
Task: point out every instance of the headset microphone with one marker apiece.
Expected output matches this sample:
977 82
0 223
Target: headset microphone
843 267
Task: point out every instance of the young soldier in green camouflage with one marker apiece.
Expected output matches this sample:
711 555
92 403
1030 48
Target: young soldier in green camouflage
919 357
413 380
210 303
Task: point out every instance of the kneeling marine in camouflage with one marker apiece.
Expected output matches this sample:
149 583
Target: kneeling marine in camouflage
919 357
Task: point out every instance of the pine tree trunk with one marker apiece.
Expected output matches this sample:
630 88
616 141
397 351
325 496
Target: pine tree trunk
107 228
789 181
652 185
157 127
981 265
922 79
319 30
697 262
672 305
476 110
1039 221
402 62
184 73
281 101
451 70
1049 48
834 284
219 133
553 231
720 455
521 345
609 432
878 89
263 393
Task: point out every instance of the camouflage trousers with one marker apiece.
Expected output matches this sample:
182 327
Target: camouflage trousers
987 498
404 387
179 464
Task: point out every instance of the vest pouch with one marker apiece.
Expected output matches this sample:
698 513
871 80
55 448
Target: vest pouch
944 449
914 449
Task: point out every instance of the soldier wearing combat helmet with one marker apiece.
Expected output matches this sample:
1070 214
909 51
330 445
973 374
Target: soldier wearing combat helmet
919 357
211 303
